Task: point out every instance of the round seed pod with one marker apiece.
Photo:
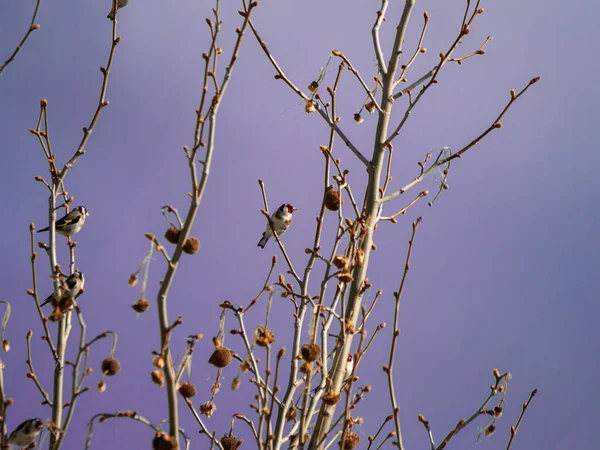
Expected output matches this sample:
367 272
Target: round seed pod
172 234
331 398
110 366
230 442
351 440
141 305
162 441
191 246
333 199
306 367
187 390
220 358
310 352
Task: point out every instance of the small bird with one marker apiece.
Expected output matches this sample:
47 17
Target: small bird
349 366
68 290
280 221
26 433
71 223
122 4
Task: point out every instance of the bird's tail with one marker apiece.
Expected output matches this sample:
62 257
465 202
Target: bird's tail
44 229
48 300
263 241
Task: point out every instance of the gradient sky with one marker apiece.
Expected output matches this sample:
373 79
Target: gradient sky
502 270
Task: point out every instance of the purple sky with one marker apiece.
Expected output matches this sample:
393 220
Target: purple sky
502 269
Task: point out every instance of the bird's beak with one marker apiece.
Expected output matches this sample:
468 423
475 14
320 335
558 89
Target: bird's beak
294 209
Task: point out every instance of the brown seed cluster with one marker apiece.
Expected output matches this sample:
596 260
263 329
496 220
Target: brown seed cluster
162 441
333 199
310 352
191 246
221 357
230 442
141 305
110 366
264 337
208 408
172 234
331 398
350 441
157 378
187 390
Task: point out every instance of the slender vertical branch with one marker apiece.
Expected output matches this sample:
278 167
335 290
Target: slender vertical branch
515 428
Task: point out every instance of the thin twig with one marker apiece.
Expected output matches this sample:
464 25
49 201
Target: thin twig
32 27
515 428
32 375
396 332
375 35
281 76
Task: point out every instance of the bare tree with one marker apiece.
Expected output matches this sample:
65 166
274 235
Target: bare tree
67 285
327 295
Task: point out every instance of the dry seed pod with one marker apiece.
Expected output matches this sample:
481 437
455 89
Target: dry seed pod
331 398
187 390
157 378
310 352
345 277
172 234
340 262
141 305
191 246
162 441
207 408
333 199
230 442
306 367
110 366
220 358
264 337
351 441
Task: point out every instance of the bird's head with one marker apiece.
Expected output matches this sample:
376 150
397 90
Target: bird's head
288 208
83 210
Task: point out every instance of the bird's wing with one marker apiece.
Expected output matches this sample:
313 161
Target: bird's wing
16 430
71 282
75 218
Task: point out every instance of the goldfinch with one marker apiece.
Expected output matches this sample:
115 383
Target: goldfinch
26 433
280 221
70 287
122 4
71 223
349 366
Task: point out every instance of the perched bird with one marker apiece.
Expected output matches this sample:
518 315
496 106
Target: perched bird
71 223
280 221
26 433
122 4
68 290
349 366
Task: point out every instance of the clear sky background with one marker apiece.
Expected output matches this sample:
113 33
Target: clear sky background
504 265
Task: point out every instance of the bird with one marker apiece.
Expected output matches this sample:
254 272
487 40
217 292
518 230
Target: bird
122 4
26 433
70 287
71 223
349 366
279 221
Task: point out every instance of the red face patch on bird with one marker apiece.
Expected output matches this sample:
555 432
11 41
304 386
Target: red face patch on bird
349 357
290 208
